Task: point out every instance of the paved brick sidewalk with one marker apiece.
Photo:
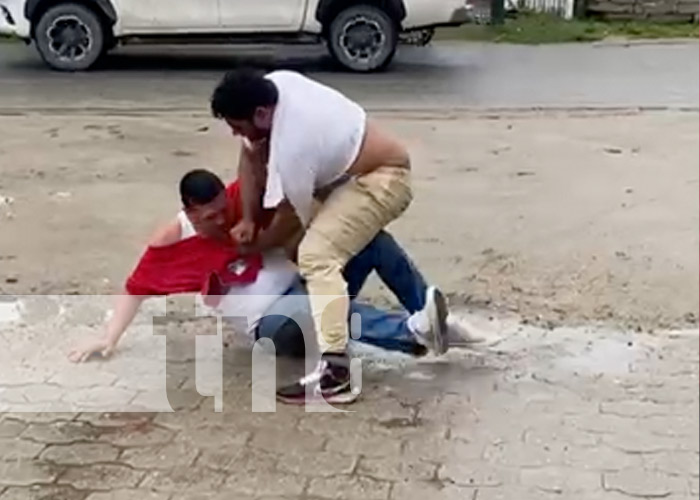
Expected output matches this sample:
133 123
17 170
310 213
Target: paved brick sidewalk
567 414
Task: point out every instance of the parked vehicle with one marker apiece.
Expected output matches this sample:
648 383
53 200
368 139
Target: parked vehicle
361 35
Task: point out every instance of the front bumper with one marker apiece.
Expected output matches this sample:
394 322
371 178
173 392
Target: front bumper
12 21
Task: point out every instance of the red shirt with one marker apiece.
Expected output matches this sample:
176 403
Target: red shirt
195 264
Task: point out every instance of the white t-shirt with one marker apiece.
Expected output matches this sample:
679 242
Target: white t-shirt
252 301
316 136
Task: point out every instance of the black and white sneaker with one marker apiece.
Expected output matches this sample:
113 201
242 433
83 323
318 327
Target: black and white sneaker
329 382
436 309
429 325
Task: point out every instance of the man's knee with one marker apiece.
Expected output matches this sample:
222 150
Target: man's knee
381 241
285 333
317 258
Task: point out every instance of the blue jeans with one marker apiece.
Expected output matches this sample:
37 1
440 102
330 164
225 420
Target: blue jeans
290 316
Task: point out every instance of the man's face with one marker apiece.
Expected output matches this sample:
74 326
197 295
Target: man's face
255 129
213 219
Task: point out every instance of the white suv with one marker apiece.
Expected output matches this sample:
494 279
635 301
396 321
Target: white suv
361 35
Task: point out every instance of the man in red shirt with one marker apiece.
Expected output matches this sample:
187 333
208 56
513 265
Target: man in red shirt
195 253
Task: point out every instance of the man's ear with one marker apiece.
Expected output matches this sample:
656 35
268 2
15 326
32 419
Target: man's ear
262 118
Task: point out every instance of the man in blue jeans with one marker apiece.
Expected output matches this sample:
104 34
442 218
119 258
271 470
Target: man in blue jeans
406 331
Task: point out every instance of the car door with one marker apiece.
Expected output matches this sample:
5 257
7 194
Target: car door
167 16
264 15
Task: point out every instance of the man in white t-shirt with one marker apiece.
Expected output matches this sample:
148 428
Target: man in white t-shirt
302 137
276 305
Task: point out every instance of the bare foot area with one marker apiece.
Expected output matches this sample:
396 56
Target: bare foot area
558 218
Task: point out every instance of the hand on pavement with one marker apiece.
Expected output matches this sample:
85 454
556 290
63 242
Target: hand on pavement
88 349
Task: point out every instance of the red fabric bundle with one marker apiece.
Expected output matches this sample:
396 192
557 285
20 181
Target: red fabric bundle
195 264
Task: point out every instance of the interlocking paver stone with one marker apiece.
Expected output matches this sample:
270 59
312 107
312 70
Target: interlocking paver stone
673 463
138 436
278 441
437 449
73 377
160 457
349 488
116 420
261 483
249 460
374 446
26 472
316 464
335 425
601 423
11 428
60 432
179 479
558 435
636 409
213 437
43 417
396 469
561 480
13 449
602 458
477 473
80 453
416 490
175 401
519 454
101 477
518 492
644 484
628 441
213 495
524 428
44 493
680 424
129 495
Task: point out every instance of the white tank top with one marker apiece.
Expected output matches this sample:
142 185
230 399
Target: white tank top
317 134
186 228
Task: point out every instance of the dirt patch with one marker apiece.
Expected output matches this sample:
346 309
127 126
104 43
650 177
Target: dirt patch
555 227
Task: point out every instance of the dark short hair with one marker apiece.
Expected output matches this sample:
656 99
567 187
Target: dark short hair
199 187
240 93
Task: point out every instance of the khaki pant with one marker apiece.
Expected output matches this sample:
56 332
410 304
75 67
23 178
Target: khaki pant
346 222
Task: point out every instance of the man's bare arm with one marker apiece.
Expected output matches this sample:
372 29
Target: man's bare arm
283 228
169 234
252 178
250 182
125 309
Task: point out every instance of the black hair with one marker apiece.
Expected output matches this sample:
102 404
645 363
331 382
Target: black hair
240 93
199 187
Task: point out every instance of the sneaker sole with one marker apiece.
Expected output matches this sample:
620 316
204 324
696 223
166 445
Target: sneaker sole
342 395
438 320
339 399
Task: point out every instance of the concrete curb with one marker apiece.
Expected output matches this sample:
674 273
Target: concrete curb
416 113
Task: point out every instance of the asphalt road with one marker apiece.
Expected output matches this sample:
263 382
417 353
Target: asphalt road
443 76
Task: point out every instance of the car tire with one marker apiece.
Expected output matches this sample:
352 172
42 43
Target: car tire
70 37
363 38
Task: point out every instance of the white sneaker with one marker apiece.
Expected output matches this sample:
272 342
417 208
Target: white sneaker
430 324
